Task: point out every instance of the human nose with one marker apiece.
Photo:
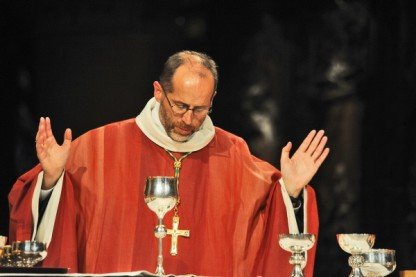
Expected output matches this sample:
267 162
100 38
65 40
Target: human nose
187 116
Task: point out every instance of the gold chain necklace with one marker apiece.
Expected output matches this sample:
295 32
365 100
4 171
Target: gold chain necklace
175 232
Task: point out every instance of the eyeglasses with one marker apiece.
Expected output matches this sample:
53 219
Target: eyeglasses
182 108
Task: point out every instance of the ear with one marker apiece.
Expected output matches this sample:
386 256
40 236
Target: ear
213 95
157 91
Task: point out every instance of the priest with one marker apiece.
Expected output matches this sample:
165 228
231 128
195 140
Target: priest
85 198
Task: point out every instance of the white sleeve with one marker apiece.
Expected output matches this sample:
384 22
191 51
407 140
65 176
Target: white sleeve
44 232
291 217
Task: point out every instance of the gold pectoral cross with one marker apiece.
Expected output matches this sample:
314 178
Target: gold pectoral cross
175 233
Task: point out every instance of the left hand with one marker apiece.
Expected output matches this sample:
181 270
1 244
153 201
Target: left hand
298 170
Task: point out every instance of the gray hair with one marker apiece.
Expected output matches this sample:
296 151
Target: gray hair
183 57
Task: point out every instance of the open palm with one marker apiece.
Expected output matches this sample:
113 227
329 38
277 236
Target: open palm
51 155
298 170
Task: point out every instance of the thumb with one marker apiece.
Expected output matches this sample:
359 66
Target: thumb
286 151
67 137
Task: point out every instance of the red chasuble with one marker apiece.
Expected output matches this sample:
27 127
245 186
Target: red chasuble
230 201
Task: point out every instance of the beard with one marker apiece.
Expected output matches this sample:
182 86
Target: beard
178 132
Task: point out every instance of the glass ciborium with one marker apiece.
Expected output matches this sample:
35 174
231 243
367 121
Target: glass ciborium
297 244
356 245
161 196
379 262
28 253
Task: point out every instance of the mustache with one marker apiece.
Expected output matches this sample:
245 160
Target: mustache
185 127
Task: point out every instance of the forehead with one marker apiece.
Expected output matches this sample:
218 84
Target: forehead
193 84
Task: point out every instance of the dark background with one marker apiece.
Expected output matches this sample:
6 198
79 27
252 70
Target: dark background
286 67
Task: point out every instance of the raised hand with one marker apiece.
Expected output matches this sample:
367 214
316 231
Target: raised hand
51 155
298 170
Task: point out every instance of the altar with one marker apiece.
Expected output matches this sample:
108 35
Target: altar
51 272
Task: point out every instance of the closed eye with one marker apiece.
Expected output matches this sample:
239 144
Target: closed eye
181 105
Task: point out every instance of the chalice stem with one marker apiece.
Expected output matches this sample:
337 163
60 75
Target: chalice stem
296 260
297 271
159 269
356 272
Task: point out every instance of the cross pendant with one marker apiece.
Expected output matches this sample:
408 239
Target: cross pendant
175 233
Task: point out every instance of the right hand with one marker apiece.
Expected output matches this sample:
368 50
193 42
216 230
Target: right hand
51 155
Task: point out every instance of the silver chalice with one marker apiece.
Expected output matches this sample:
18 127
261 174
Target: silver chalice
161 196
356 245
297 244
379 262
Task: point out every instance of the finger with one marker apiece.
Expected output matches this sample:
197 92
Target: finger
286 151
48 127
67 137
320 148
322 158
305 144
40 136
38 132
315 142
40 151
